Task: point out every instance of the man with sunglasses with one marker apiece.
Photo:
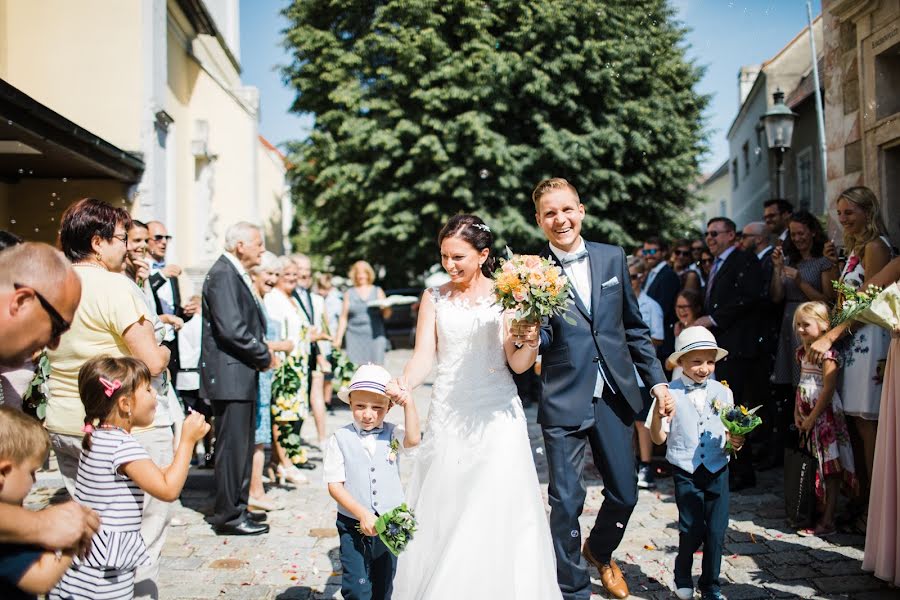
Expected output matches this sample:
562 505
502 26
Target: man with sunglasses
39 292
732 309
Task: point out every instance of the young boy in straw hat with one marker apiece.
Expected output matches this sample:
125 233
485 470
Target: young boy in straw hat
696 450
362 470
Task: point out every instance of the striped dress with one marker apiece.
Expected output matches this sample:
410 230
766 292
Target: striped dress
108 572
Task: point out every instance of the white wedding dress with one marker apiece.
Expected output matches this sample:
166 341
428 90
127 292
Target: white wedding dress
482 530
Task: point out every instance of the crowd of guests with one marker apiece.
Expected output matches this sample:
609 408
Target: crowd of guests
766 292
140 364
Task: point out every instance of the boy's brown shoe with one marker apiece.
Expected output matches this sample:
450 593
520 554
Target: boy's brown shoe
610 575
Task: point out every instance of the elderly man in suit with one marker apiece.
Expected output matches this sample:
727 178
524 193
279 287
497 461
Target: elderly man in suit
233 351
590 394
733 298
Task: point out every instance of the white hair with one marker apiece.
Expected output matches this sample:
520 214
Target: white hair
241 231
283 262
269 263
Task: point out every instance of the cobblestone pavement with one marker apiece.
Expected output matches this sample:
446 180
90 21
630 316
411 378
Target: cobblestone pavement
298 559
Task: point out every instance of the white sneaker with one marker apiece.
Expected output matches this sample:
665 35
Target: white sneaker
684 593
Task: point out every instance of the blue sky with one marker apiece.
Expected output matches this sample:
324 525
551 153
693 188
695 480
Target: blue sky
725 35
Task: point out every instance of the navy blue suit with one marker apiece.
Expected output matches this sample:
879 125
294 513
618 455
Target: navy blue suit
613 336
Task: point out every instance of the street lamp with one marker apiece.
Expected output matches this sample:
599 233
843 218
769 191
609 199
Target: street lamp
779 124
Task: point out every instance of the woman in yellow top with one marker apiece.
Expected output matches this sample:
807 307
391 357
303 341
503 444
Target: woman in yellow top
111 319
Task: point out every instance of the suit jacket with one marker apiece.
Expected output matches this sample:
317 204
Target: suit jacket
158 280
664 289
770 312
612 334
734 301
233 348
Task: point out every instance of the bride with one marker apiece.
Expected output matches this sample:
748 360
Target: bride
482 530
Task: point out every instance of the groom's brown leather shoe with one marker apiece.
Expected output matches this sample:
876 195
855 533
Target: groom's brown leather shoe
610 575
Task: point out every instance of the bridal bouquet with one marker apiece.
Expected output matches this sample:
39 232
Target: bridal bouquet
532 286
396 528
739 421
875 305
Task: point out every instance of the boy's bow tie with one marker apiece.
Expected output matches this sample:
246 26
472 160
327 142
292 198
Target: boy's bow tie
574 258
365 432
690 387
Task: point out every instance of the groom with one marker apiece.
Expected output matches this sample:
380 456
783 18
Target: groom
590 393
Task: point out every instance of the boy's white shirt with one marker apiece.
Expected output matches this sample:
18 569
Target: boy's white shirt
333 463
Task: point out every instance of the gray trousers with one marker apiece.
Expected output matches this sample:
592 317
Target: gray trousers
158 444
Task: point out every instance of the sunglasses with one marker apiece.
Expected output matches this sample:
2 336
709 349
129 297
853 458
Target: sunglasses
160 238
649 251
714 234
683 306
59 325
706 260
634 276
682 253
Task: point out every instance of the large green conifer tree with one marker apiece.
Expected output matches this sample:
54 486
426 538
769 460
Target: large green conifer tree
426 108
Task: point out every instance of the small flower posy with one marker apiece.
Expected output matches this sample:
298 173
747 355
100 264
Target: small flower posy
395 447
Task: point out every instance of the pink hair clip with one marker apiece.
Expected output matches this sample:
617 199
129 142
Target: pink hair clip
111 386
88 428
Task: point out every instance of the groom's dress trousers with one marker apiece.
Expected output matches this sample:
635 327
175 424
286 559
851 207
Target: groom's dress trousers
233 351
590 396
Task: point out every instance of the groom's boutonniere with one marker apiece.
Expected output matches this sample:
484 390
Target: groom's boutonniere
395 447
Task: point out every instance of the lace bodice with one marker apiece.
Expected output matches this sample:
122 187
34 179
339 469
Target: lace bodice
471 363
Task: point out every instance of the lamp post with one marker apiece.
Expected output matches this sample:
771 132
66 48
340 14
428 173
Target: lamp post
779 124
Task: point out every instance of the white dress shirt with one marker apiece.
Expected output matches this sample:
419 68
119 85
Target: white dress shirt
245 276
653 273
578 272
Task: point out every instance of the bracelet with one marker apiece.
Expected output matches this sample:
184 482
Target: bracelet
535 347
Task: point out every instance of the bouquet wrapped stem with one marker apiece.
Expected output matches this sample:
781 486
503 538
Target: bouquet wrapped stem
875 305
739 421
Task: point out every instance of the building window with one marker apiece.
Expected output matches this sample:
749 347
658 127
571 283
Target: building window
734 174
722 212
745 149
805 178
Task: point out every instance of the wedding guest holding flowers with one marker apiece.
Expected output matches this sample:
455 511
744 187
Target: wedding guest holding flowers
882 554
356 457
281 306
819 414
869 250
112 319
361 329
264 277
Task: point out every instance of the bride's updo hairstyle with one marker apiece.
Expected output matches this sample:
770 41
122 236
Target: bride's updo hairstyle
473 231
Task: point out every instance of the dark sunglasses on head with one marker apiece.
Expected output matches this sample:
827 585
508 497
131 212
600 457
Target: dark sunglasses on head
59 325
160 238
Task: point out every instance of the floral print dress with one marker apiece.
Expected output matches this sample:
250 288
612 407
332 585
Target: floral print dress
829 440
863 357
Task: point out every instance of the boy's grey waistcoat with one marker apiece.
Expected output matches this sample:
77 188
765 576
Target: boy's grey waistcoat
373 481
697 438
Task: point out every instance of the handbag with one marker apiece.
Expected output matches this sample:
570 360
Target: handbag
800 467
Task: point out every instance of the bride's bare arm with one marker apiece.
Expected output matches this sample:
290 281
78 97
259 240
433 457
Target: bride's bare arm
526 334
420 364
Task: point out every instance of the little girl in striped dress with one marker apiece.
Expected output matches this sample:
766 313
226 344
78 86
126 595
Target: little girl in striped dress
115 471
